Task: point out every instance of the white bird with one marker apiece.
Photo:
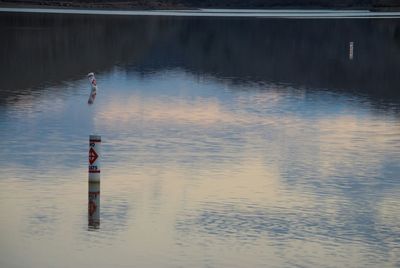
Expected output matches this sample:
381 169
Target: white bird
93 92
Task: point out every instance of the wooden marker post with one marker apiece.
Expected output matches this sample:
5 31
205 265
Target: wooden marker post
94 181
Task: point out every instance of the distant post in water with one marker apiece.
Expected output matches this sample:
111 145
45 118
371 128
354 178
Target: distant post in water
94 181
351 50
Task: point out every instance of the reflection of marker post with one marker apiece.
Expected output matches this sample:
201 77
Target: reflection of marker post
94 205
94 181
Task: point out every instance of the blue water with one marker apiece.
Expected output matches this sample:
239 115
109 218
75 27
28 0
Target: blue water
204 164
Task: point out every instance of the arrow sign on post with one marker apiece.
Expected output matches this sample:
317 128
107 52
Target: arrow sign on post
94 181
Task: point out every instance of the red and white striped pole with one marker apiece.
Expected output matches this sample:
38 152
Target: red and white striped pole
94 181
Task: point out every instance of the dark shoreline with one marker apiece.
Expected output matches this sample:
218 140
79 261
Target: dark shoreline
189 5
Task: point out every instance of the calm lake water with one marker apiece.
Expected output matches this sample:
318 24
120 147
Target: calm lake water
227 142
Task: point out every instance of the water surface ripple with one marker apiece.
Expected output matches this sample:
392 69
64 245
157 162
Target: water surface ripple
208 161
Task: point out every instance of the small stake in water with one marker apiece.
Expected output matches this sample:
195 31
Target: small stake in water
93 91
351 50
94 181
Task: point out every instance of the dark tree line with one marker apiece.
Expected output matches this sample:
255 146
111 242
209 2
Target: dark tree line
154 4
